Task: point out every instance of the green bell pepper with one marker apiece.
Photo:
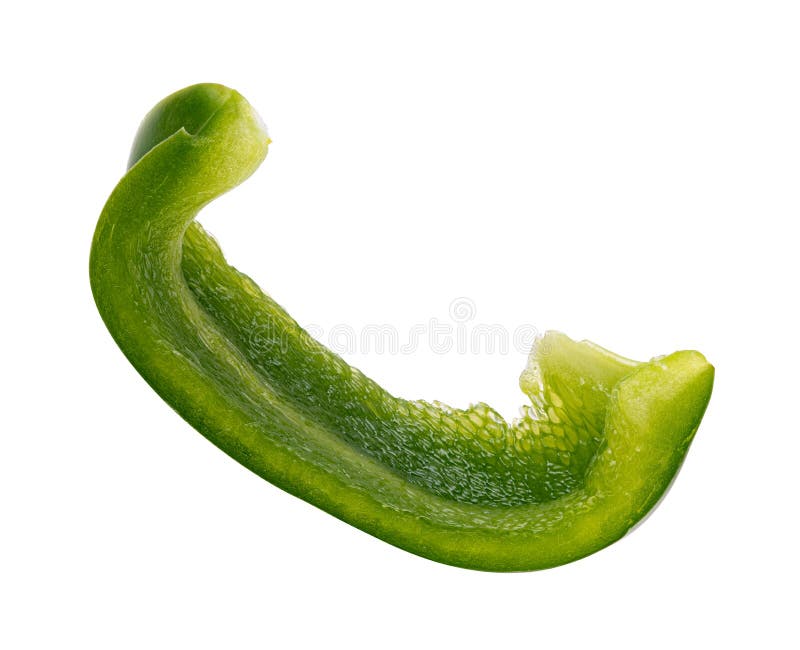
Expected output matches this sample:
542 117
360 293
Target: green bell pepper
598 445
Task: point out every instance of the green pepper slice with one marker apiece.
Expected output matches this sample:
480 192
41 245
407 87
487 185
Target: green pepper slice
591 454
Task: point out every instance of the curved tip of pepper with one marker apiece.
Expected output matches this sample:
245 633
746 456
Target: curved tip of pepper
676 386
191 109
661 404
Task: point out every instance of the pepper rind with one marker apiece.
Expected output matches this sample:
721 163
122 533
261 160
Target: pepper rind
164 291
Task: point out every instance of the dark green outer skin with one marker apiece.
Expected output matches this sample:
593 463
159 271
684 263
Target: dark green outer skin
460 487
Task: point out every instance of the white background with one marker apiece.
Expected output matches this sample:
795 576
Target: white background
621 171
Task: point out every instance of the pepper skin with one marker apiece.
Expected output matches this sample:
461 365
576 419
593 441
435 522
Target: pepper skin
597 446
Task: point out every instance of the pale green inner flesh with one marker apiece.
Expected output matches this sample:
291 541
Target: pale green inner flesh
468 456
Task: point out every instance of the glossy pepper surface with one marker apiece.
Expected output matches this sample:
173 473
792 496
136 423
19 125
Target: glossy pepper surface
596 447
